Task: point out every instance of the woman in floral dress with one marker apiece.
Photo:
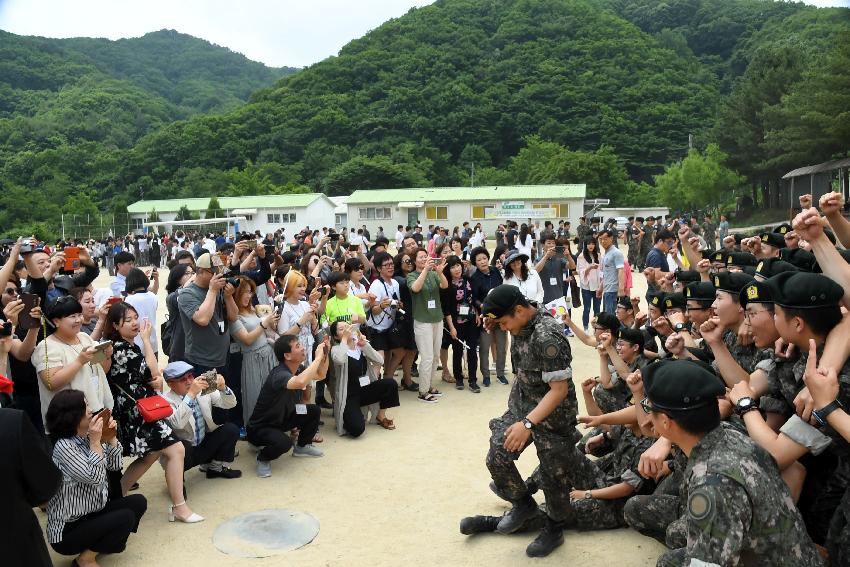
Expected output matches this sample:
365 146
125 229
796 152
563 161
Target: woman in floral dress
135 375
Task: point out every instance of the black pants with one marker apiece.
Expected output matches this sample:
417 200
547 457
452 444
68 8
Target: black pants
218 445
105 531
233 381
275 441
383 392
469 334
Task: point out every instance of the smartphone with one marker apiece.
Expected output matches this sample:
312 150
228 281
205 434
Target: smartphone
252 244
334 237
25 321
6 329
113 300
354 248
465 255
559 249
100 351
72 258
269 250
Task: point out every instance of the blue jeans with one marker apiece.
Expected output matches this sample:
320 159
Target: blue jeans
609 302
588 297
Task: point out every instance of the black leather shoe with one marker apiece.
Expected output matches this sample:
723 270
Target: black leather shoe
324 404
550 538
478 524
522 511
224 473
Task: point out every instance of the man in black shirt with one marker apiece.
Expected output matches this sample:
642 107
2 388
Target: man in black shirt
278 406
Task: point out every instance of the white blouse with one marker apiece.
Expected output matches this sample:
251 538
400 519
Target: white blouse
531 288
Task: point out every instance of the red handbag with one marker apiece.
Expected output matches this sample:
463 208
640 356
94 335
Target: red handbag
152 408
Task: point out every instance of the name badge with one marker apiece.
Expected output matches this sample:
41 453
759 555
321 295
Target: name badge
364 381
432 304
464 309
553 281
301 409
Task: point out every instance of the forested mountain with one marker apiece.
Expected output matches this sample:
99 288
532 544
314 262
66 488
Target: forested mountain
529 91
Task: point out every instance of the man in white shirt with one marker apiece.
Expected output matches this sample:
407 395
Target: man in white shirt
124 262
399 237
209 244
206 443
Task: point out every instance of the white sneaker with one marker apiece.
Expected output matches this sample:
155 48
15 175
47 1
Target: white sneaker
264 469
307 451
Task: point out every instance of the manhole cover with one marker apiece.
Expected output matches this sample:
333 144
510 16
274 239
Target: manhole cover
265 533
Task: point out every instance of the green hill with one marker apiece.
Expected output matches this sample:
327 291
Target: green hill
605 92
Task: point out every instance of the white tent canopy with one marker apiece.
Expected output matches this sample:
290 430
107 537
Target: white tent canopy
198 222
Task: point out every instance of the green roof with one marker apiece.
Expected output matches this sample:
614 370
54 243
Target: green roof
227 203
466 194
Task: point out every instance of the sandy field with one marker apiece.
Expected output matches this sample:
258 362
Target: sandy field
389 498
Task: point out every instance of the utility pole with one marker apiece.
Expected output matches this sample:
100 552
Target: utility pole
690 141
472 175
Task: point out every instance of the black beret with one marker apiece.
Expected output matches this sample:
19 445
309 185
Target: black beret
783 229
650 218
772 239
501 300
720 256
608 321
656 299
639 219
680 385
755 292
625 302
741 259
700 291
687 276
674 301
802 259
731 282
738 237
706 254
634 336
803 290
703 355
769 267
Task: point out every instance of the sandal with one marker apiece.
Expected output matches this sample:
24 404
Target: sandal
448 378
412 387
318 438
386 423
435 393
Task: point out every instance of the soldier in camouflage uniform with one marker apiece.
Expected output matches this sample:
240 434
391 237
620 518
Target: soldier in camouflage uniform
582 232
542 354
709 231
647 241
739 510
629 349
633 240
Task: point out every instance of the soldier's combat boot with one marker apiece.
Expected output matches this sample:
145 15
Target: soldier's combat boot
522 511
478 524
495 490
550 537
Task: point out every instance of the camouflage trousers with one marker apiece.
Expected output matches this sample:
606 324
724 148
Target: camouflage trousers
659 516
612 399
634 253
562 466
838 537
589 515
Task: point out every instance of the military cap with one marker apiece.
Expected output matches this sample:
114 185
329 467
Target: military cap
741 259
755 292
845 253
719 256
783 229
699 291
650 218
687 276
769 267
749 270
625 302
800 258
674 301
681 385
731 282
656 299
802 290
501 300
639 219
707 254
608 321
634 336
772 239
738 238
703 355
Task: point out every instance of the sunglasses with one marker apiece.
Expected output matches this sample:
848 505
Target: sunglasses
11 291
408 261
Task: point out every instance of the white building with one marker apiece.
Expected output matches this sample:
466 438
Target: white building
265 213
452 206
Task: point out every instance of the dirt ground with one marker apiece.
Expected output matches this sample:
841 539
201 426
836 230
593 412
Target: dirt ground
388 498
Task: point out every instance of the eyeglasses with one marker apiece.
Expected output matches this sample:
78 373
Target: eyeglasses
407 261
750 314
697 308
11 291
387 265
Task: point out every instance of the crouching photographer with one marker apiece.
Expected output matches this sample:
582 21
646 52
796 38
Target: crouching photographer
192 399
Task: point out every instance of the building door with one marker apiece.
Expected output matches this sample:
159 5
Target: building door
412 217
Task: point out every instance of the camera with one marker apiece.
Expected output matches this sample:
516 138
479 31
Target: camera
394 303
233 281
28 246
6 329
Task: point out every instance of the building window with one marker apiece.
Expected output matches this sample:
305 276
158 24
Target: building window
479 212
376 213
437 213
249 217
287 217
136 224
562 210
339 219
273 218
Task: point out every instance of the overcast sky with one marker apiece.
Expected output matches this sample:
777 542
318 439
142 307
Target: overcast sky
276 32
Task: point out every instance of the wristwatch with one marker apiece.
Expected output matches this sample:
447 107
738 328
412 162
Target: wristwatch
679 327
820 414
744 405
588 495
527 423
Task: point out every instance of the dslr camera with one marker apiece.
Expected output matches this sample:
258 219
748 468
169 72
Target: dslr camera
233 281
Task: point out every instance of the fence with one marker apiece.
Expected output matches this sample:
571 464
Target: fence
100 227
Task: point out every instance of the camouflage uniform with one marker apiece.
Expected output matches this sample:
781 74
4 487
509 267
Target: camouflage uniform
660 514
646 244
542 354
709 233
739 511
747 356
632 234
582 232
618 395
